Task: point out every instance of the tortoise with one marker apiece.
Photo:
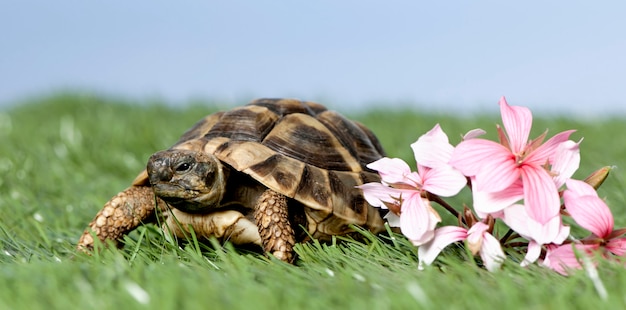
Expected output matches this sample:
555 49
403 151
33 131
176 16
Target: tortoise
270 173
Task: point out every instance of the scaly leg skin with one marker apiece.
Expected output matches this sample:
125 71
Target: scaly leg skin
123 213
227 225
272 221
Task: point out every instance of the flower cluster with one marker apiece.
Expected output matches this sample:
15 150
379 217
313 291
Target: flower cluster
525 184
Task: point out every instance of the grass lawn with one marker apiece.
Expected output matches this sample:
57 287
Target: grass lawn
62 157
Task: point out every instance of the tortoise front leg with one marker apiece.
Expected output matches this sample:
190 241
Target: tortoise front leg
272 220
120 215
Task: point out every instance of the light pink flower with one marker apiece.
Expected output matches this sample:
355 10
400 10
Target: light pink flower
515 168
404 192
589 211
479 241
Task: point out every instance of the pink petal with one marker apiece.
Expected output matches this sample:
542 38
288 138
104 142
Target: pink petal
376 194
442 238
592 213
472 134
516 217
579 188
541 196
545 152
433 149
532 253
392 219
566 161
391 170
444 181
617 246
469 156
498 174
491 252
564 257
417 219
517 122
493 165
490 203
495 215
475 233
588 210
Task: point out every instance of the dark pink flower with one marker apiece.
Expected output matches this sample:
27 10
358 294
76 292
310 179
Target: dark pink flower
589 211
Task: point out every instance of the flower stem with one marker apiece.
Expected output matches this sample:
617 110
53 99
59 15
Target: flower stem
506 236
441 202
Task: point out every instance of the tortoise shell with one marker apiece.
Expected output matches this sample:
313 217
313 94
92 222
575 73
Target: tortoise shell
301 150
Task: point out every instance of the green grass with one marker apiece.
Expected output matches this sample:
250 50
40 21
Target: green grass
62 157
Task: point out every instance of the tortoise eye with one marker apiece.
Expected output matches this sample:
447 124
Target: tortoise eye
183 167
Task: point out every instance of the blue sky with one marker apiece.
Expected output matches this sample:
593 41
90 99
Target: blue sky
559 56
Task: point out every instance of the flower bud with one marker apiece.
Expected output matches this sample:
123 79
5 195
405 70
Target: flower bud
596 178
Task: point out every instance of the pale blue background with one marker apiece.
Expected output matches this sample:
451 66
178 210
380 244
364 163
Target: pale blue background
554 56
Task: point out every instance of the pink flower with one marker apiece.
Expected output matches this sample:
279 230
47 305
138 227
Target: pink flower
589 211
566 161
404 192
479 241
515 168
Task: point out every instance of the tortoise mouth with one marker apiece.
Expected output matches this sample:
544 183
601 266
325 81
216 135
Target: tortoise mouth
174 191
179 197
187 199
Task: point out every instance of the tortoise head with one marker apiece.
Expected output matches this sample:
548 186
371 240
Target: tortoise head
191 181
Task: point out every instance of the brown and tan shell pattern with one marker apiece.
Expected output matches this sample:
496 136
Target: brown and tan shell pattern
301 150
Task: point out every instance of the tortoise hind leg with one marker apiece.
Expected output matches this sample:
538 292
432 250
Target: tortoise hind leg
271 217
120 215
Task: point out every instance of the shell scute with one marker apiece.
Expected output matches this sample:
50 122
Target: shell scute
313 188
201 128
289 106
279 173
249 123
353 136
304 138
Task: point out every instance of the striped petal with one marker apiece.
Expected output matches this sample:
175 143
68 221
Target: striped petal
545 152
491 252
516 217
566 161
617 246
418 220
492 164
443 237
377 194
433 149
517 122
563 258
492 202
541 196
444 181
587 209
391 170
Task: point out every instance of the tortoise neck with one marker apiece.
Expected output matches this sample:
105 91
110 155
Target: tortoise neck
241 189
